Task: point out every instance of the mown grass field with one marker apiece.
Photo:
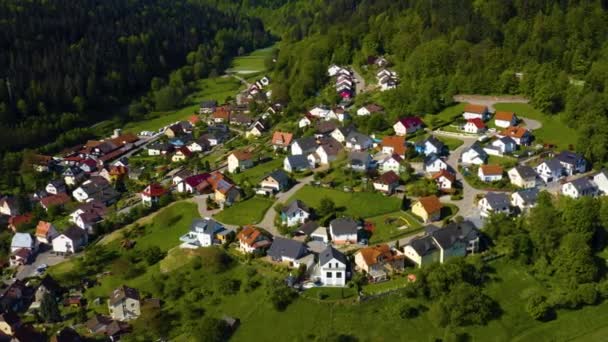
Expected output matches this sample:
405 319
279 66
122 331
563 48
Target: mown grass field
251 63
386 231
553 131
355 204
255 174
250 211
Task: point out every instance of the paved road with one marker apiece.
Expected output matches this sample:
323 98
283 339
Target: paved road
45 257
360 86
489 101
531 124
267 222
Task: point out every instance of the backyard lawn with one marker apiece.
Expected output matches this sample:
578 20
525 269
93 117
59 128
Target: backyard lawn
554 130
388 227
250 211
251 63
254 175
356 204
506 162
445 116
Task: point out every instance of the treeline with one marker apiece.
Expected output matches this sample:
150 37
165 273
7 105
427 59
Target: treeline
65 64
554 53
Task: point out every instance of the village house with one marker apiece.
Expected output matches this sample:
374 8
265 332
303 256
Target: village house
369 109
325 128
70 241
358 142
504 145
407 125
474 155
73 175
474 111
490 173
45 232
276 181
428 208
505 119
152 194
207 107
341 133
225 192
9 323
445 180
307 228
295 213
600 179
391 163
281 140
58 200
525 199
180 176
221 115
88 165
378 261
240 160
442 244
393 144
252 240
431 145
55 186
494 203
96 188
15 222
159 148
332 267
124 304
305 121
326 153
181 154
201 144
572 163
42 163
193 184
203 233
578 188
344 231
433 163
23 241
550 170
287 250
359 161
304 146
103 325
522 176
296 163
9 206
519 134
475 126
387 182
88 214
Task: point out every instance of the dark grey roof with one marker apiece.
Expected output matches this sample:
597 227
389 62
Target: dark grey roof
289 248
477 148
279 175
307 143
508 140
359 158
295 206
529 196
355 137
206 225
569 157
74 233
345 130
209 104
308 227
160 145
553 164
430 158
298 161
438 144
343 225
497 199
454 232
423 245
525 171
330 253
582 184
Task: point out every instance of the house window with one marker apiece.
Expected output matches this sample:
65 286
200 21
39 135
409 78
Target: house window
338 274
328 275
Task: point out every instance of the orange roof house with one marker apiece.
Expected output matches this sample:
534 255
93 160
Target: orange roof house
504 116
475 108
281 139
394 143
45 232
251 239
490 170
428 208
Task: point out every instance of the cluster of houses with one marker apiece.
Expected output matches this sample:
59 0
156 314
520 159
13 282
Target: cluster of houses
387 78
344 81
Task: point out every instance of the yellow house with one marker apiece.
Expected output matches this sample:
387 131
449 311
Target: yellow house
428 208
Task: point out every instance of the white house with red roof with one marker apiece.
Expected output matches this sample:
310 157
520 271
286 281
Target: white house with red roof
191 184
152 194
407 125
475 126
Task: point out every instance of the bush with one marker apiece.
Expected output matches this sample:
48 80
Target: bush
587 294
229 286
538 307
408 311
153 255
279 294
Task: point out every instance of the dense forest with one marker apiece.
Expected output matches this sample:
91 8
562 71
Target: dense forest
553 52
67 64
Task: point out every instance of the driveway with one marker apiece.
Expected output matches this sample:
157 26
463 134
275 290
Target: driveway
45 257
360 86
489 101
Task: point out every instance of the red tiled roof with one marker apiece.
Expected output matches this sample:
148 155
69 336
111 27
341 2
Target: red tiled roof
477 122
154 190
505 116
475 108
411 121
16 221
242 155
396 142
59 199
371 255
281 138
388 178
445 173
514 132
491 169
43 227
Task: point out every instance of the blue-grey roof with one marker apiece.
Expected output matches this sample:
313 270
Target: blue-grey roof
529 196
478 149
298 161
582 184
569 157
22 240
525 171
438 144
289 248
454 232
358 138
497 199
554 165
423 245
343 226
307 143
206 226
279 175
359 158
508 140
330 253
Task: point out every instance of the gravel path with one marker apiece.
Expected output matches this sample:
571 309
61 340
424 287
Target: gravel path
489 101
